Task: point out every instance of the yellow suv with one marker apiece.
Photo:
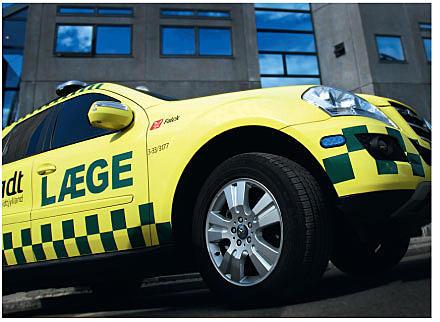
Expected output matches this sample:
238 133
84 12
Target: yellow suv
257 189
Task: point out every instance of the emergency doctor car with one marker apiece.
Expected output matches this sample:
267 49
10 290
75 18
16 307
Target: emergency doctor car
257 190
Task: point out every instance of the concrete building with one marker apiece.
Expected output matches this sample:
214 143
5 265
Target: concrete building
189 50
360 27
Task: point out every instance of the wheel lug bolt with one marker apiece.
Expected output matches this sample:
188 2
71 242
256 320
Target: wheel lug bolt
233 230
239 242
249 239
240 219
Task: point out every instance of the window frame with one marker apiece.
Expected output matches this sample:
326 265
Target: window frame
14 109
404 61
284 10
197 42
284 55
287 53
424 49
59 110
299 31
424 29
195 14
46 135
95 11
92 52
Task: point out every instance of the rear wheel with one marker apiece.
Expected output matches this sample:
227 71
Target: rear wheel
358 258
260 229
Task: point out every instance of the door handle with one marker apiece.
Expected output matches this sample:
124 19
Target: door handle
46 168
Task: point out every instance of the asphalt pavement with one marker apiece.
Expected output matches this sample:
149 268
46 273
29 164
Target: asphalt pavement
403 292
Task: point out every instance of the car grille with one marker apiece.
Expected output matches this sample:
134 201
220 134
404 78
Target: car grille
417 124
424 152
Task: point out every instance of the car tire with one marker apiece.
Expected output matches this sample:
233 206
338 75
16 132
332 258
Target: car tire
304 242
361 259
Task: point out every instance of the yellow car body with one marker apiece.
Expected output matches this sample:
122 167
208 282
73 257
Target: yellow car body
120 191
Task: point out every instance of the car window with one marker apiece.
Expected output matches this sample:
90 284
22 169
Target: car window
26 138
72 123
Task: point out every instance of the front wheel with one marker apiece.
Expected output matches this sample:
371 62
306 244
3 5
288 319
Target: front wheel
260 229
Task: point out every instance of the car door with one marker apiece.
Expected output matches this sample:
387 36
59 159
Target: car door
20 146
91 187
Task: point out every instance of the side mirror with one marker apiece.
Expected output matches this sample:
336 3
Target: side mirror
110 115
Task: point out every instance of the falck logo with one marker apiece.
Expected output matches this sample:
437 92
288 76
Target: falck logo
156 124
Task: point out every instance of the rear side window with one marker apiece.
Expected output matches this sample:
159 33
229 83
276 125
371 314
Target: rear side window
72 123
27 138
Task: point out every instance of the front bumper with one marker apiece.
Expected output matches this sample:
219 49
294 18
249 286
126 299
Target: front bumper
376 196
405 211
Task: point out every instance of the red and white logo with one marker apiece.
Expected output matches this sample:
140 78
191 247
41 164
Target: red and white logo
156 124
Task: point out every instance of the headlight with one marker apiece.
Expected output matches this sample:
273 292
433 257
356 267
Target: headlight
338 102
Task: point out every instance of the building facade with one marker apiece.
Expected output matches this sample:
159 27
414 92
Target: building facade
189 50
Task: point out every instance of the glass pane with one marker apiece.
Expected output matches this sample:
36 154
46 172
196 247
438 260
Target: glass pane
214 14
390 48
425 26
178 41
113 40
291 6
287 81
76 10
283 20
73 125
25 137
74 39
13 33
215 41
9 99
14 67
427 44
115 11
19 15
271 64
177 12
276 41
302 65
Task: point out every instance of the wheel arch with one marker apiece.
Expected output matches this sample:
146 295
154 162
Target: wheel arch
228 144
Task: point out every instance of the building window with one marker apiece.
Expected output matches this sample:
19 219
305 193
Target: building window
424 26
215 41
115 11
276 20
113 40
178 41
99 11
88 40
390 48
427 46
195 13
14 31
74 39
196 41
76 11
425 30
284 6
286 44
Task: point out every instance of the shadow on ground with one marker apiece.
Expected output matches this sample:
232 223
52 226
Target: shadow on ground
192 299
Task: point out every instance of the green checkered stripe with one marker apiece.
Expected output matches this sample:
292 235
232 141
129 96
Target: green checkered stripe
107 238
339 168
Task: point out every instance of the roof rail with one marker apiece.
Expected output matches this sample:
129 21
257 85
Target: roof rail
69 87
